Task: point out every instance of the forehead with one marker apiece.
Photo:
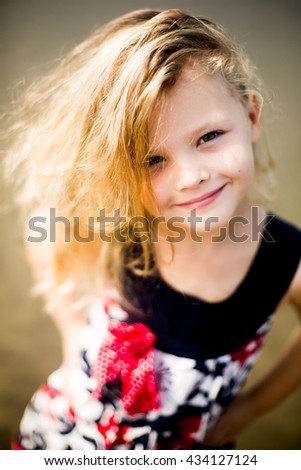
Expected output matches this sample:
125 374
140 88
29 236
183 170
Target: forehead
195 80
196 99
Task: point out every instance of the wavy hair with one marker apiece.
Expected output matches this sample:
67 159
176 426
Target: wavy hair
81 137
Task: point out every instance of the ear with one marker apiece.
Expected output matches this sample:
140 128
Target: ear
254 107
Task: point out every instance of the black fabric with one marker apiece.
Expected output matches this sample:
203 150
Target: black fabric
190 327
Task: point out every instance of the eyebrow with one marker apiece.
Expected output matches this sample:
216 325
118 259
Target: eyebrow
194 134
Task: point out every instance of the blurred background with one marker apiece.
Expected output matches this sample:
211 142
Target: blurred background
33 33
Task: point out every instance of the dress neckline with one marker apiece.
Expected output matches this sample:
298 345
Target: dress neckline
256 260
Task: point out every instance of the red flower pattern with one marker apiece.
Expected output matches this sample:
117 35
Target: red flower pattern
128 353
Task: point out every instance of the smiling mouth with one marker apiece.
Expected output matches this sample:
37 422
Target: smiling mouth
204 200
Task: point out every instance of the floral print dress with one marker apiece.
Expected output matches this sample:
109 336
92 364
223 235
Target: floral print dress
160 381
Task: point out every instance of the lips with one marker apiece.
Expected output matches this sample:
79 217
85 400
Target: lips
205 199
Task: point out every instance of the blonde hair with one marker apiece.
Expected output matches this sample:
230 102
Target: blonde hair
82 131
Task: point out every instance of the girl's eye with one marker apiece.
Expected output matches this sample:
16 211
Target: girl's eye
154 160
208 137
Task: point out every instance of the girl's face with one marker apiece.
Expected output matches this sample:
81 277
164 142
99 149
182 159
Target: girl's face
201 149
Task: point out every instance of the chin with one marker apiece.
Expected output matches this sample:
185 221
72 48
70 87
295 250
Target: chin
213 222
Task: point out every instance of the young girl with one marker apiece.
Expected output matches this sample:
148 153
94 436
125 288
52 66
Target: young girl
139 157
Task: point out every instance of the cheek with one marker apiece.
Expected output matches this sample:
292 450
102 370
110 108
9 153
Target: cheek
150 201
159 185
239 164
247 169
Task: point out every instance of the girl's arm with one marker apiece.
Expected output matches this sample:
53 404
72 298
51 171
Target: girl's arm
274 387
286 374
68 318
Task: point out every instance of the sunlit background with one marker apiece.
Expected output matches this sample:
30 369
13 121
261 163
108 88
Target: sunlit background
34 33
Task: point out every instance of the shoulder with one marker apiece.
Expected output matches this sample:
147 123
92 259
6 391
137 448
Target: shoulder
283 243
283 231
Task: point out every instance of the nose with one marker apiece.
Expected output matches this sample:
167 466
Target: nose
189 176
